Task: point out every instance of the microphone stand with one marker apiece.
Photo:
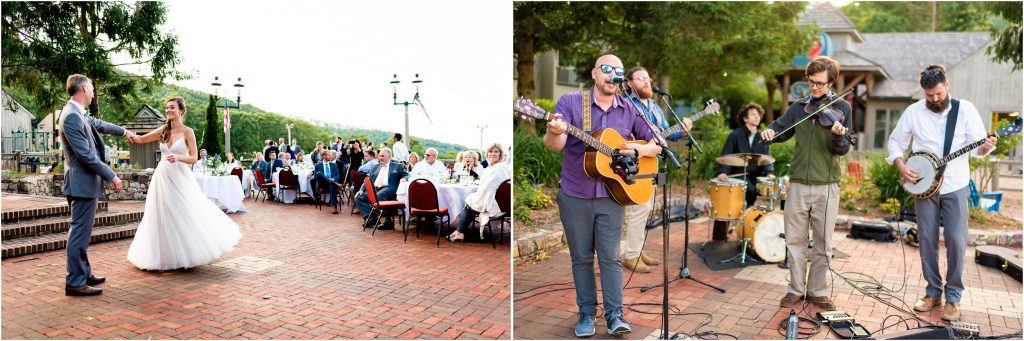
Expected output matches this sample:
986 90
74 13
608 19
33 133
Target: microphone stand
684 271
662 179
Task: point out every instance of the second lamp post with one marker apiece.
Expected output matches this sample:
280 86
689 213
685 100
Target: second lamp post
394 89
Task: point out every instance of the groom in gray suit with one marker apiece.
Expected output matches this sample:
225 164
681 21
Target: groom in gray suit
85 169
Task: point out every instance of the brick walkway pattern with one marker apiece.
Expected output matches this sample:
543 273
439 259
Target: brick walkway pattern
750 307
298 273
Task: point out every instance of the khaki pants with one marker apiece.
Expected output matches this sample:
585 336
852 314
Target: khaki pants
814 208
636 227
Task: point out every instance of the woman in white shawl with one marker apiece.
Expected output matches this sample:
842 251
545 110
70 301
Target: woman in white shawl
481 204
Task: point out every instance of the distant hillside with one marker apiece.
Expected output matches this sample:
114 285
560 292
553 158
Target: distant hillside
250 125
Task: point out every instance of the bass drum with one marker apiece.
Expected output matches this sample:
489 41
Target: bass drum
766 232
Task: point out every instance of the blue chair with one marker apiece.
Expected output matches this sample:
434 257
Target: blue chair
988 201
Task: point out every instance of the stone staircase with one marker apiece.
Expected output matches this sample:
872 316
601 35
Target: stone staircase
44 226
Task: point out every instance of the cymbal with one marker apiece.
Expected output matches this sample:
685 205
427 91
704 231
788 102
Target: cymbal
742 159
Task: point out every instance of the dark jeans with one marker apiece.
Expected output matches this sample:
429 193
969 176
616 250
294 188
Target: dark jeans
466 218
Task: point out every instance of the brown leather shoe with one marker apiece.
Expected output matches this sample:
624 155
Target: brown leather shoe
927 303
823 302
636 265
648 259
790 300
951 311
93 280
84 290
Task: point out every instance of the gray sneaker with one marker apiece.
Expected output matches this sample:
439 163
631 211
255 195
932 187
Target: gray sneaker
617 324
585 326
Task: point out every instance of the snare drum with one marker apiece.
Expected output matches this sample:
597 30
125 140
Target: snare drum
727 198
765 230
765 187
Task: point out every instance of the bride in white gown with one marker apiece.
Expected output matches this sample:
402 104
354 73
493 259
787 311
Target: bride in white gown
180 227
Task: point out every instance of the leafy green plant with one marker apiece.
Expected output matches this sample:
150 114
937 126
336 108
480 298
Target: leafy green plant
891 206
533 162
886 181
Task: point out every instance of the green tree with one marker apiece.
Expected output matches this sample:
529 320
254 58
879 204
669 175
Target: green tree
213 141
920 16
1007 46
44 42
541 26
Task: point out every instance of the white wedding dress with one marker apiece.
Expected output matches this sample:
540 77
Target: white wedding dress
180 227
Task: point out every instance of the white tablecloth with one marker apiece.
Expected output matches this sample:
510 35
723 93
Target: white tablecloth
223 191
248 181
452 196
288 197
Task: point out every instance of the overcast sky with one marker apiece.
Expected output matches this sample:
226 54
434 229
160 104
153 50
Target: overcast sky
333 61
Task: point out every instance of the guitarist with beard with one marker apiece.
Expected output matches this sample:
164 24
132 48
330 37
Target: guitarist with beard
927 122
642 96
591 218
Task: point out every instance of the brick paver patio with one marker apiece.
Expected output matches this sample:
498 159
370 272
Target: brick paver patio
750 307
297 273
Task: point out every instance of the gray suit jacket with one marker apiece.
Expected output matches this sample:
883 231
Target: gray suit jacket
85 165
396 172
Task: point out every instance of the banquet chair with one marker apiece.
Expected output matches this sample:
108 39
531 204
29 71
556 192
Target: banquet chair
384 206
264 185
423 203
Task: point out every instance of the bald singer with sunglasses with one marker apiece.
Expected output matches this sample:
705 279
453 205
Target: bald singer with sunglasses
592 220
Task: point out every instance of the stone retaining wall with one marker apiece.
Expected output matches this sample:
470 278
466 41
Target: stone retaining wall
135 185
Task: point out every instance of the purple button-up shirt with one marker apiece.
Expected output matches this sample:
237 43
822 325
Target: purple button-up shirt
620 116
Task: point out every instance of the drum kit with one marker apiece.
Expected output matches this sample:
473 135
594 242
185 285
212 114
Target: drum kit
761 227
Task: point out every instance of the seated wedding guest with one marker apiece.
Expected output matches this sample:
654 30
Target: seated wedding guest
257 162
460 163
273 164
295 149
369 160
472 164
318 152
200 164
412 160
286 159
481 205
231 163
385 177
300 159
430 164
328 177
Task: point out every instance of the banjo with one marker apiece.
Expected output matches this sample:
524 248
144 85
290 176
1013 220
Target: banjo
927 164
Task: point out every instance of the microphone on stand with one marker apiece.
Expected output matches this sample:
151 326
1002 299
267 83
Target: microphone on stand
617 79
660 92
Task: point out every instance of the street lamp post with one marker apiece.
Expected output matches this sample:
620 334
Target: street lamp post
238 104
289 126
481 127
394 89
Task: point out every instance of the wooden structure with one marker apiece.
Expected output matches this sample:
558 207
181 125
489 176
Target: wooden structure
146 120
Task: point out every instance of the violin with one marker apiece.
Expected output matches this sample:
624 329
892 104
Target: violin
824 111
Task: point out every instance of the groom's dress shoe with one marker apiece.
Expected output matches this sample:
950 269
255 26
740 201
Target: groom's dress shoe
84 290
93 280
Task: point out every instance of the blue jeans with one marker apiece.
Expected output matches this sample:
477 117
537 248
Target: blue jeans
593 225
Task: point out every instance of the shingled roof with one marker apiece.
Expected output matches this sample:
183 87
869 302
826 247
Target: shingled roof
146 118
829 18
903 55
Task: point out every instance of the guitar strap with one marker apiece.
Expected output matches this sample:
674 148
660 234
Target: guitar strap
950 129
587 127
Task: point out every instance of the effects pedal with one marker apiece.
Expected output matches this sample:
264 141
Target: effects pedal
965 329
834 316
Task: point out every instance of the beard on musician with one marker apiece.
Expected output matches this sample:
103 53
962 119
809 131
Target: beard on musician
938 106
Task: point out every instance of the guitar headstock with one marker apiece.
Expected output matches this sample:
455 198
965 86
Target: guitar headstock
1012 129
712 107
529 110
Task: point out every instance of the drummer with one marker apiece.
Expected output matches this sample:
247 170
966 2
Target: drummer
745 139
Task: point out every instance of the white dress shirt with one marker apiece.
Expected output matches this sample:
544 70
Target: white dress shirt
382 177
928 130
424 168
401 151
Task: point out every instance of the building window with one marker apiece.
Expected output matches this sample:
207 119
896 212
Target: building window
885 121
567 76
